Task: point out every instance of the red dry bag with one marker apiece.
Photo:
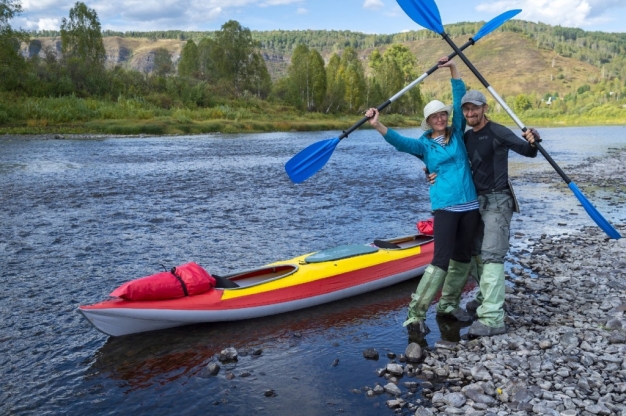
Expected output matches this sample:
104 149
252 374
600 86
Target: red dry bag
187 280
426 226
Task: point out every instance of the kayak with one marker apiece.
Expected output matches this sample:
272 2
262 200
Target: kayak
308 280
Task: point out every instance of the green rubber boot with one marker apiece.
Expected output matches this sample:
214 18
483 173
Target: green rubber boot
426 290
476 270
451 293
491 311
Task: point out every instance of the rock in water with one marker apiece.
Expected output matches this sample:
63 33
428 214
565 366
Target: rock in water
413 352
370 354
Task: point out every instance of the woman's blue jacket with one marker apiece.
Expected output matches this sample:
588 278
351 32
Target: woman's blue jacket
454 184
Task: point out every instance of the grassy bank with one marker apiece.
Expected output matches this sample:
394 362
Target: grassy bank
130 116
66 115
589 115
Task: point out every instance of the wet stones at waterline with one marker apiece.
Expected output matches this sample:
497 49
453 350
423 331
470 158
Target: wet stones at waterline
563 354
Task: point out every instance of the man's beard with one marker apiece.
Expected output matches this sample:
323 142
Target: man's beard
475 121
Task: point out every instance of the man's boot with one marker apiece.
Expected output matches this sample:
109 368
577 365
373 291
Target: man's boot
451 293
490 312
426 290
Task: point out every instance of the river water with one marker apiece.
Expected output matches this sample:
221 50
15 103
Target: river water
80 217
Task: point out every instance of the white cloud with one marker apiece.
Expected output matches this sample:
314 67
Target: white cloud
214 12
373 4
28 5
142 15
146 15
145 10
279 2
48 24
576 13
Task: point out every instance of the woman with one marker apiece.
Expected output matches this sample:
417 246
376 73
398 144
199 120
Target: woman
453 198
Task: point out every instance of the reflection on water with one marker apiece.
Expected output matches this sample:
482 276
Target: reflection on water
191 347
299 347
142 359
81 217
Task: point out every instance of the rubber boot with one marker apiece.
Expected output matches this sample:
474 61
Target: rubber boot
490 312
451 293
476 270
449 329
426 290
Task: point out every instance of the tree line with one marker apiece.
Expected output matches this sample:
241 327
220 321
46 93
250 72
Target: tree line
601 49
340 86
228 64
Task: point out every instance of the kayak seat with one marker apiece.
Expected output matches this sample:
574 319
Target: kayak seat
224 283
385 244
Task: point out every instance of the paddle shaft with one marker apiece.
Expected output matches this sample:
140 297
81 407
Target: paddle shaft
504 105
313 157
404 90
588 206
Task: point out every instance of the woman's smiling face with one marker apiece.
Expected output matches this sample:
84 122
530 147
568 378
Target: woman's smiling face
438 121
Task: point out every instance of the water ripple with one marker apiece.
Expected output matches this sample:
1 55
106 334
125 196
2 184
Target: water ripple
81 217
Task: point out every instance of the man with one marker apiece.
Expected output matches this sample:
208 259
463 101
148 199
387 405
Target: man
488 145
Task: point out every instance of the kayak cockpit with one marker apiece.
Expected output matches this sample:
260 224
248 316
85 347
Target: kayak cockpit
263 275
405 242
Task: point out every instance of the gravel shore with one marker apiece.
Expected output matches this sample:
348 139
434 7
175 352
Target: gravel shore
565 347
564 350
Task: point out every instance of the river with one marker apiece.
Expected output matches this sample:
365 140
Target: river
80 217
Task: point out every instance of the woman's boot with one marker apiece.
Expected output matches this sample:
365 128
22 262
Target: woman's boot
451 293
426 290
476 270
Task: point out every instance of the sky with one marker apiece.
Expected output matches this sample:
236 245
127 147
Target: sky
367 16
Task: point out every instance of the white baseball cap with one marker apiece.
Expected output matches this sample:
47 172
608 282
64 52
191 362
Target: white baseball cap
435 106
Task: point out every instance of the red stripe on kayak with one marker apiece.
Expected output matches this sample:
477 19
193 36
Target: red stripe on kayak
212 300
331 284
205 301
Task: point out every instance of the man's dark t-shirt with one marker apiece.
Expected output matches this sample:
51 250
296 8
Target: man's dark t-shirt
488 152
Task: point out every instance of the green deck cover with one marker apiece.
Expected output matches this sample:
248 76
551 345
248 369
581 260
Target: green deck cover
340 252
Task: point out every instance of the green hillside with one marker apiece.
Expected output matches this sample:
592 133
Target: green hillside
177 81
606 51
498 56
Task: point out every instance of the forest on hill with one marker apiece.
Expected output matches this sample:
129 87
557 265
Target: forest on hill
601 49
81 79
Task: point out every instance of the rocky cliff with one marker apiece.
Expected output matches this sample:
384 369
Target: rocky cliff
130 53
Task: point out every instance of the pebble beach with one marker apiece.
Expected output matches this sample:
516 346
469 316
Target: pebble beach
564 350
565 347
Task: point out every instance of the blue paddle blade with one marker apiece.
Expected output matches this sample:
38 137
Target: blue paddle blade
495 23
594 214
309 160
423 12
